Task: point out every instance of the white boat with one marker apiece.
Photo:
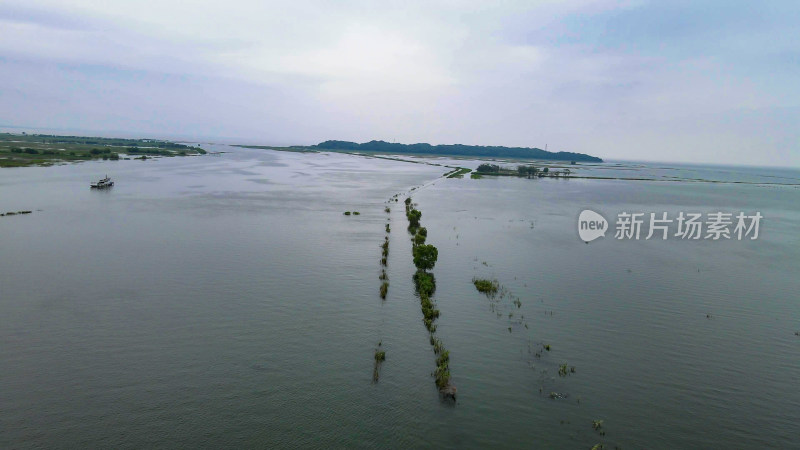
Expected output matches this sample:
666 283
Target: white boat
102 184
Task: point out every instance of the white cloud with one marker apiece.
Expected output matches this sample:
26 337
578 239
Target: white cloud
507 73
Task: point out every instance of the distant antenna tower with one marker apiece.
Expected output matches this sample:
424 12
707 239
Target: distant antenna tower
545 147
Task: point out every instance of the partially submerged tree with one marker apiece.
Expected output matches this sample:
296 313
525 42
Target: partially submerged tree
425 256
414 216
489 168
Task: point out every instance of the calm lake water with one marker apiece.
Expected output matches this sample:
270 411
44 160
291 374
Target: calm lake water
226 302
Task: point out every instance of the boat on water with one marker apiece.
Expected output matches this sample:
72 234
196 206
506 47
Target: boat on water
103 183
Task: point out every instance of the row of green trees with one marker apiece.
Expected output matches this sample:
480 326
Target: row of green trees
531 172
425 257
488 168
527 171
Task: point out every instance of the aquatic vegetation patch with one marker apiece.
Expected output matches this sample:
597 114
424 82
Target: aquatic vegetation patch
486 286
385 248
437 345
384 261
442 372
597 425
12 213
379 357
497 292
459 172
565 369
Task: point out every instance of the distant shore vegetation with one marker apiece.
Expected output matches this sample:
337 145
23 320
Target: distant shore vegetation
525 171
456 150
20 150
424 149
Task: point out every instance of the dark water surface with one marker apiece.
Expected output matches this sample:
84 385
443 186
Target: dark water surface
226 302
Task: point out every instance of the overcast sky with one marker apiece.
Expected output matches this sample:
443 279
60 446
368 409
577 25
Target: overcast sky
702 81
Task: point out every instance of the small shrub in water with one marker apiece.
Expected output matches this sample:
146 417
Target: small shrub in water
564 370
443 359
442 375
438 347
425 283
484 286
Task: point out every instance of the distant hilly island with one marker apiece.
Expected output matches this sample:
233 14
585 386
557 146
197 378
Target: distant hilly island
455 150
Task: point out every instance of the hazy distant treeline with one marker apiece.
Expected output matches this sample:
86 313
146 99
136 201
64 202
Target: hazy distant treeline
458 150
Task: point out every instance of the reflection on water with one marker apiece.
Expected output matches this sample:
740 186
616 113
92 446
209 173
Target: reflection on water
226 301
